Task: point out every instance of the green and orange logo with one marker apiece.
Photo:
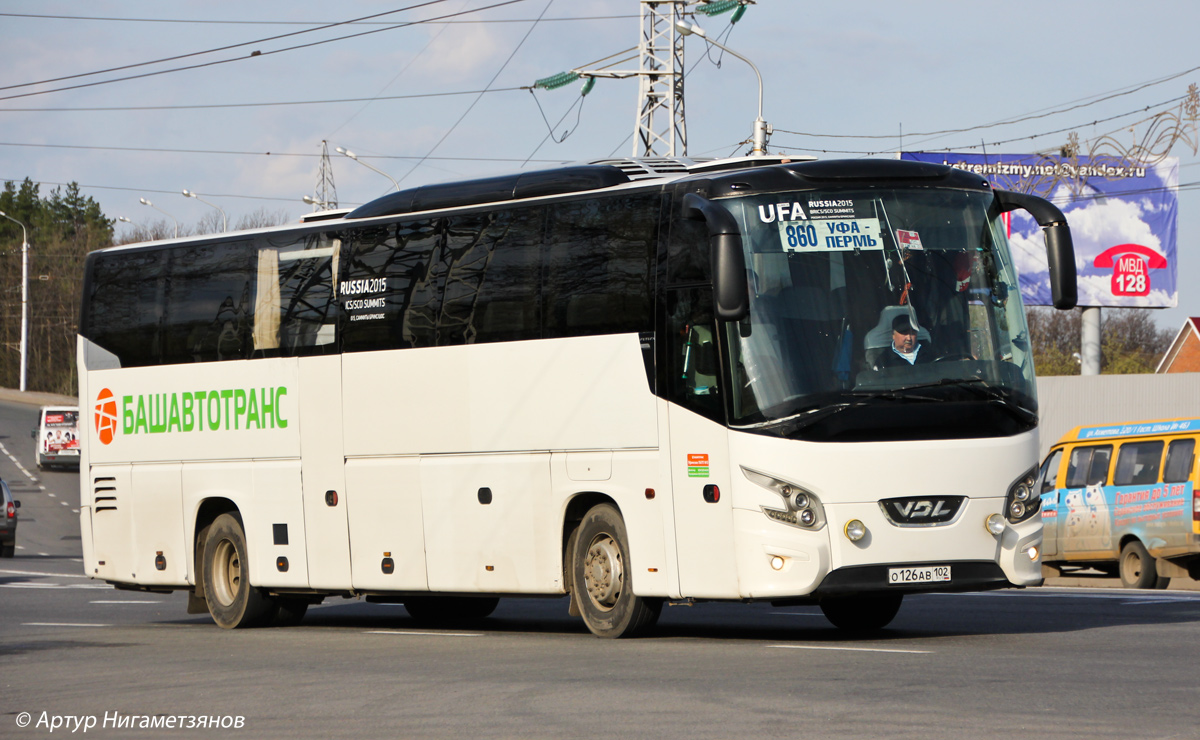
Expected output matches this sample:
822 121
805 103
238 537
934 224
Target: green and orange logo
106 416
233 409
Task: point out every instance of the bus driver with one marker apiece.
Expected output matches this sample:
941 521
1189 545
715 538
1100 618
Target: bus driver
905 347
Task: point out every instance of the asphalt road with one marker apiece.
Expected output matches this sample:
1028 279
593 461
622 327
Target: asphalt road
1048 662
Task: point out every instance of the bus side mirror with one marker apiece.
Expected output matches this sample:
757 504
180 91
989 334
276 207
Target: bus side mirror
1060 251
728 261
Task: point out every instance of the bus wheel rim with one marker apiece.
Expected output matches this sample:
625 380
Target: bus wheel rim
227 572
603 572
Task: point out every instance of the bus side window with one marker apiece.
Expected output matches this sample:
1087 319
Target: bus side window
694 368
392 291
1049 473
295 312
1138 463
493 277
124 306
1098 471
209 304
598 261
1181 454
1088 466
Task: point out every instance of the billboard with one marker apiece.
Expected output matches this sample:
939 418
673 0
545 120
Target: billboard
1123 218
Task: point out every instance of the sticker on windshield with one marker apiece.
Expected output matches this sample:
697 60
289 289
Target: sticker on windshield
908 239
833 235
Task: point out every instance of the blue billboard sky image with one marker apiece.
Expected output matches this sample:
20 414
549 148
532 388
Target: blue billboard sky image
1123 218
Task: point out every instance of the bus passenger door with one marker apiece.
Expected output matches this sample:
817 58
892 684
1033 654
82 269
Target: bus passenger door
323 475
700 475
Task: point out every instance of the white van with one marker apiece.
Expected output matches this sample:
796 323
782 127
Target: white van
56 440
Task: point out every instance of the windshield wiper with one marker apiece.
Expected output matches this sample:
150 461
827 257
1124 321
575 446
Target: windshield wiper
981 388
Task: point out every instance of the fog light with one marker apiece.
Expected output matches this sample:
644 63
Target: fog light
855 530
777 562
1033 553
995 524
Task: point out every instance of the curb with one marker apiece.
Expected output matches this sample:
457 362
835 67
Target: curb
33 398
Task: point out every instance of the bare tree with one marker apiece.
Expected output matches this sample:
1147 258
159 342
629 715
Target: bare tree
1130 341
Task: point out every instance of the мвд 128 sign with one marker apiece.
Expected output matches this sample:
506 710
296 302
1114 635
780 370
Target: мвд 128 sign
1123 219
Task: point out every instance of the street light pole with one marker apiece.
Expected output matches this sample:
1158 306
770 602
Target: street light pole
352 155
148 203
224 223
761 129
24 296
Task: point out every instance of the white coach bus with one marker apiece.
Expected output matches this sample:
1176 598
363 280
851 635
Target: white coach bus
631 381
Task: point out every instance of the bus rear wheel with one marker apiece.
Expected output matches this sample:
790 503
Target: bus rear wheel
232 601
1137 568
602 578
862 613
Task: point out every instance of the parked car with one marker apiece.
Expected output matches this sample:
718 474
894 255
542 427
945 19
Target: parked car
8 522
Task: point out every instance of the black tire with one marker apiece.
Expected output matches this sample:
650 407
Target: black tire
864 613
8 551
291 611
1137 568
602 579
232 601
440 611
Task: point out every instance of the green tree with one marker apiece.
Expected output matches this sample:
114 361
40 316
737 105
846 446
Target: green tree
63 227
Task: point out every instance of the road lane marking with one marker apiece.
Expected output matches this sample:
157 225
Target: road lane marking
62 624
424 634
851 649
124 602
39 573
21 467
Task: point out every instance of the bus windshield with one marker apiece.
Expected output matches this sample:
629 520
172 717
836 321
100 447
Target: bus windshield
873 298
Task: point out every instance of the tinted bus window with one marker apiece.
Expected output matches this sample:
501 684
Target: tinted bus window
1181 454
124 306
1137 463
599 254
209 304
493 277
294 309
390 293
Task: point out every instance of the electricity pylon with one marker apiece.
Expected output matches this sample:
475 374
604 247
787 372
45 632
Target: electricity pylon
326 192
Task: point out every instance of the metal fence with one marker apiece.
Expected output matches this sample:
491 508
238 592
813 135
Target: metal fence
1066 402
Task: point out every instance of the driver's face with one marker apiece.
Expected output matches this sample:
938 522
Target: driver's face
904 342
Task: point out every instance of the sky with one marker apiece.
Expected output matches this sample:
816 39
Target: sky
232 100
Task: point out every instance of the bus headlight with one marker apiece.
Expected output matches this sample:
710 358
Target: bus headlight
801 508
1021 502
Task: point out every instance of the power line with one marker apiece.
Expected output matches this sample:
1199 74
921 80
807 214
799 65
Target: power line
199 21
211 51
255 105
164 150
1022 119
480 96
253 55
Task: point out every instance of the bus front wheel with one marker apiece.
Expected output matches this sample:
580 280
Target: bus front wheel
1137 569
862 613
232 601
602 578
